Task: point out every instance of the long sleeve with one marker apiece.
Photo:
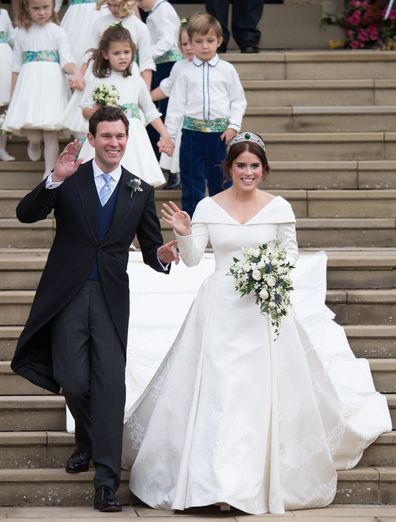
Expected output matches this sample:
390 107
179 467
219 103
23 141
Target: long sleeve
237 102
16 63
36 205
64 48
177 106
192 247
146 103
287 236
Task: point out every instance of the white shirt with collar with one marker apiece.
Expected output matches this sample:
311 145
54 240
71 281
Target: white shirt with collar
99 179
206 91
99 182
163 24
139 33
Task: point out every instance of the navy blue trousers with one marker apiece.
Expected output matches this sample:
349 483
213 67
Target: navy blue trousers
201 156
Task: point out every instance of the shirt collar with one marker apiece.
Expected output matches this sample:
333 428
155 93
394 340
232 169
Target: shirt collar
213 62
157 3
115 174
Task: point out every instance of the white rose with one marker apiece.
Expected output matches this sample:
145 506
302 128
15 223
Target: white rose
261 264
256 274
264 294
271 281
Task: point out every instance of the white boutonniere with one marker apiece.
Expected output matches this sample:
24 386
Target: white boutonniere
135 185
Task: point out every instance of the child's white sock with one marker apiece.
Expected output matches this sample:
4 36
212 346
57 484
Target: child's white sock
51 150
34 137
4 156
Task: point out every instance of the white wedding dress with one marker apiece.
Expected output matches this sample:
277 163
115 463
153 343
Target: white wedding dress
233 416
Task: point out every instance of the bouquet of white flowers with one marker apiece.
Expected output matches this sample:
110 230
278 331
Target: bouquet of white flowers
265 272
106 95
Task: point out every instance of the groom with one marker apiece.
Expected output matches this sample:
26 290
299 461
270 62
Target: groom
75 337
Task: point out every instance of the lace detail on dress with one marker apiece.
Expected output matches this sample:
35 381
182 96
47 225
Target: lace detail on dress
135 431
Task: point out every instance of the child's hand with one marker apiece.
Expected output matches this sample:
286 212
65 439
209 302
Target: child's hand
227 135
76 81
166 145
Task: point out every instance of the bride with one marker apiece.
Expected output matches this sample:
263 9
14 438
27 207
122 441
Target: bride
233 415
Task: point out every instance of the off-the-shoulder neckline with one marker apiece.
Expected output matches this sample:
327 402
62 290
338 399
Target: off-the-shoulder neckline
251 218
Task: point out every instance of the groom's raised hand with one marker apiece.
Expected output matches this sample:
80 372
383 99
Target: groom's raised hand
67 162
168 253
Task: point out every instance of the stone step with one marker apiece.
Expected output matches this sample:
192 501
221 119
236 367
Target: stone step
315 65
14 234
349 174
299 146
32 413
384 375
337 146
50 449
359 269
355 203
20 269
372 341
8 339
12 384
369 341
55 487
337 233
270 93
320 119
311 232
351 306
369 307
47 413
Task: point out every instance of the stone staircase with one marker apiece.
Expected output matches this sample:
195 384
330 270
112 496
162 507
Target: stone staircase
331 145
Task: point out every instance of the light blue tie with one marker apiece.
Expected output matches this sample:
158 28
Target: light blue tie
105 191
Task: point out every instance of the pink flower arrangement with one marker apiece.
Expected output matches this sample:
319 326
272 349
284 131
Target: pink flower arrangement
364 24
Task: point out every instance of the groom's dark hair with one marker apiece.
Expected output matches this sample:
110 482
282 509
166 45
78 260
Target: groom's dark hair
107 114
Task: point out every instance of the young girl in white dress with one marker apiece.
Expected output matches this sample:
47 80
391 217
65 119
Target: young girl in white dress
78 22
235 415
123 11
113 66
120 11
164 91
39 88
6 38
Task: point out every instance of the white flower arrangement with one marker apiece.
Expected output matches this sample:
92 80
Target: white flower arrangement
106 95
265 272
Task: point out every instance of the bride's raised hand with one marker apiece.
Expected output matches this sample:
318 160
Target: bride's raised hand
178 219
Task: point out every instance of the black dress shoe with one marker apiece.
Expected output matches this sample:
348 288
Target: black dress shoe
78 462
250 49
173 181
105 500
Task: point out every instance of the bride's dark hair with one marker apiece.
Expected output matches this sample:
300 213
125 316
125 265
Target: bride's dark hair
237 149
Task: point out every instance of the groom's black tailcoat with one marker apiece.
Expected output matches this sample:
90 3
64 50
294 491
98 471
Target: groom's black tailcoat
75 247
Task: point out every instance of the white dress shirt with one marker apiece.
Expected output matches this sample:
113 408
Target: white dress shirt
139 33
167 83
206 91
163 24
99 179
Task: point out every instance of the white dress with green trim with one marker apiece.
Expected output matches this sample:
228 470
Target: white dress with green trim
6 38
42 91
135 99
78 23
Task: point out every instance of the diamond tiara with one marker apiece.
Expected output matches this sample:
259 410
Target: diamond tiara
247 136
